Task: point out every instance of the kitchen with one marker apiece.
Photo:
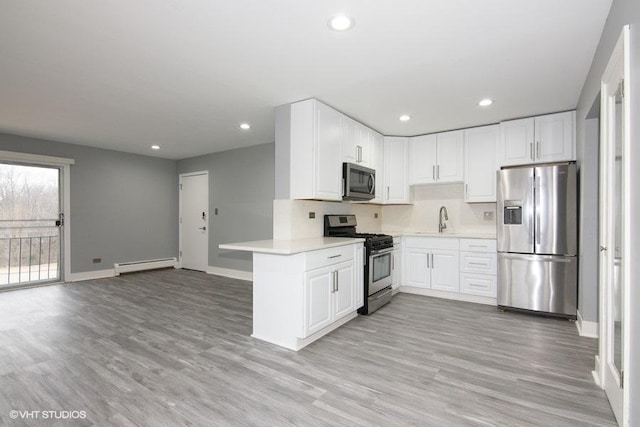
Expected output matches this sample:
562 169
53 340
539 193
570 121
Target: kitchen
250 172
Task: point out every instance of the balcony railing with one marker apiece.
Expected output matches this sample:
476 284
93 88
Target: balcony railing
29 259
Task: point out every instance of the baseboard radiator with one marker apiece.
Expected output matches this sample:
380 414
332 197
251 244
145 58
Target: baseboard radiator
150 264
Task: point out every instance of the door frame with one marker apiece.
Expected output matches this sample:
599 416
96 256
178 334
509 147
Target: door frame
180 234
617 67
64 165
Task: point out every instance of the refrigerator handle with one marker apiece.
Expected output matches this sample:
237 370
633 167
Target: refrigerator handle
536 183
532 229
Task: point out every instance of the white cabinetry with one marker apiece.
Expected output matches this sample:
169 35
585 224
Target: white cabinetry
542 139
436 158
396 186
478 267
356 143
431 263
308 151
480 163
396 263
300 297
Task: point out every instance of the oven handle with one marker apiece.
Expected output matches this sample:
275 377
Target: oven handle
382 251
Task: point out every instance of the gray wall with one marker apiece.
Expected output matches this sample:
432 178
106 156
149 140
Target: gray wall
622 12
241 186
124 207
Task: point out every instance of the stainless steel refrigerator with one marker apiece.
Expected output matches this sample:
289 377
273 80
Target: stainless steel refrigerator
537 238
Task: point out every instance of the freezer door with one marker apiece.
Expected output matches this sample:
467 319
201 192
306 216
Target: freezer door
542 283
515 210
556 209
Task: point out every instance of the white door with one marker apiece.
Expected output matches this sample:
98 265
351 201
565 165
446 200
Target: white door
480 166
418 270
516 142
444 270
614 225
450 162
422 159
318 285
344 302
554 137
194 221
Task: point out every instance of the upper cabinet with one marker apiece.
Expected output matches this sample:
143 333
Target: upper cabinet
436 158
308 151
356 143
542 139
396 157
377 152
480 163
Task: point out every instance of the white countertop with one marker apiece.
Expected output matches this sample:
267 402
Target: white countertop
289 247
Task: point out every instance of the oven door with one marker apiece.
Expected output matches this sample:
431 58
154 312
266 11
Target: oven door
380 270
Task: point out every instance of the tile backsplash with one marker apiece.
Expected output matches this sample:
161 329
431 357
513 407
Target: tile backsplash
291 217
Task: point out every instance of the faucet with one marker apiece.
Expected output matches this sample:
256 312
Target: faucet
441 224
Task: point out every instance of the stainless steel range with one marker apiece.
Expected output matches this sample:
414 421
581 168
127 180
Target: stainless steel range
378 262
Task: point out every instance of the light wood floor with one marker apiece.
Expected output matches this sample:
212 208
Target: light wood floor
172 347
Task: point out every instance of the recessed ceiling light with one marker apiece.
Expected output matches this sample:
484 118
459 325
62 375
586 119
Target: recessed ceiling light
341 23
404 118
485 102
155 147
245 126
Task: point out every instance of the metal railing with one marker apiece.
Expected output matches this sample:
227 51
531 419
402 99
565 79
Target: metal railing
29 259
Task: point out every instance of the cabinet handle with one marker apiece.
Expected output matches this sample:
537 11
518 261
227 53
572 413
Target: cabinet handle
335 256
538 150
393 264
478 263
466 191
531 151
333 281
477 246
387 192
438 171
433 264
428 261
433 172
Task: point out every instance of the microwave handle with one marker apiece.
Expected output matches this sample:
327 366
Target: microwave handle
372 184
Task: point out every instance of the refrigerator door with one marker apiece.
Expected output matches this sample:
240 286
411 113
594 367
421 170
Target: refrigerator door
515 210
556 209
538 282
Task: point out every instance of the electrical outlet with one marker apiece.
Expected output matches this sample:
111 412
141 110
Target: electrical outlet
488 216
375 215
312 215
96 260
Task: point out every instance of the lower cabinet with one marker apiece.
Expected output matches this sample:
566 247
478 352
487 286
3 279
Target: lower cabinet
396 264
450 267
300 297
329 295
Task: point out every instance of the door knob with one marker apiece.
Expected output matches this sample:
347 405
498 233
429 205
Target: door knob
603 248
202 228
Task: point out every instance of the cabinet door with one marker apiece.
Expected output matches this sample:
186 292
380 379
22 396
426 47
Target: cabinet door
516 142
554 137
422 159
396 186
344 295
444 270
350 139
363 149
480 166
318 299
450 164
358 286
377 145
328 159
418 272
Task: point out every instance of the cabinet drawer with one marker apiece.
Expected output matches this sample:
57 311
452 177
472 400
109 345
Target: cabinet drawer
446 243
478 262
325 257
478 245
478 284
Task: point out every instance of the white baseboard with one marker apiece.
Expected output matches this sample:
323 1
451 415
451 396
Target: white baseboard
596 372
91 275
585 328
448 295
229 272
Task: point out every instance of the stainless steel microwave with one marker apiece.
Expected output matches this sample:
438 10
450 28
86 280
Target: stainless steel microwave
359 183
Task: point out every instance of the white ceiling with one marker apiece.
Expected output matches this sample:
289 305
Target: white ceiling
126 74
